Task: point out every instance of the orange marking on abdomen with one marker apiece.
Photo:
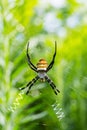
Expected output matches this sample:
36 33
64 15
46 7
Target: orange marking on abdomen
42 64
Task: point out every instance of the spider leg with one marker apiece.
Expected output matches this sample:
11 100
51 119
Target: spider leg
52 62
30 84
26 85
52 85
29 61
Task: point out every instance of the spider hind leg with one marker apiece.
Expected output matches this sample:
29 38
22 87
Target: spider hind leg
56 91
30 84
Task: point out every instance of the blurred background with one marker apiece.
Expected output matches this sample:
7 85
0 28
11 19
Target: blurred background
43 22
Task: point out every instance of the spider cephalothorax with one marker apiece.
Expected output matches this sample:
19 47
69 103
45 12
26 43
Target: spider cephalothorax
42 68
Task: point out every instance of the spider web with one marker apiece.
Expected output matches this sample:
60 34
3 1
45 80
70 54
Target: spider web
58 110
16 103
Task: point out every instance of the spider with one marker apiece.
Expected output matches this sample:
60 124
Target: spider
41 69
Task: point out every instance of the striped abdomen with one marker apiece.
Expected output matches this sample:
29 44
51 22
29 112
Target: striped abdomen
42 64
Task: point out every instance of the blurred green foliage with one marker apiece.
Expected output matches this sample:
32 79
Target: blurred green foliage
42 23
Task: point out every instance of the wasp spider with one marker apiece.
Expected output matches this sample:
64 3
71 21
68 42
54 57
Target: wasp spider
42 68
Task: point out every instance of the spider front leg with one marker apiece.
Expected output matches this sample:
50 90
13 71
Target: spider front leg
29 61
52 85
30 84
52 62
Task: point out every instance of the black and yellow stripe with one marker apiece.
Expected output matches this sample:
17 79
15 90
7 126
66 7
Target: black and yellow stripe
52 85
42 65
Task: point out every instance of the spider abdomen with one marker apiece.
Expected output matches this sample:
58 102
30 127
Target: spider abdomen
42 64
